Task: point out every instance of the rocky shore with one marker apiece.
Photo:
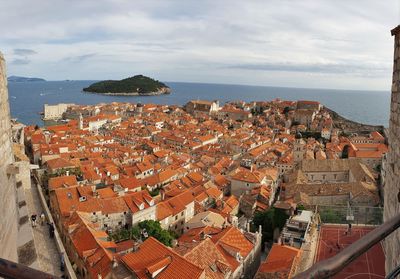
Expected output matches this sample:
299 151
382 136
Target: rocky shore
349 126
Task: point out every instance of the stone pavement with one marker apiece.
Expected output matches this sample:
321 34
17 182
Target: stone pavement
47 254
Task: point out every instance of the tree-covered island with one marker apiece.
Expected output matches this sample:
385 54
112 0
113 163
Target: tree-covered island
136 85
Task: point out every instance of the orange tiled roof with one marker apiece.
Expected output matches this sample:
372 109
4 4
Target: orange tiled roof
59 163
233 237
248 176
139 199
280 259
62 181
207 256
153 258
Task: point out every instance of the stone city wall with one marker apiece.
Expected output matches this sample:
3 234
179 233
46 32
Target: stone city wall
392 183
8 197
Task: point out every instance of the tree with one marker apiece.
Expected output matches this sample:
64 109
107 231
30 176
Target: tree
300 207
330 216
345 152
153 228
269 220
154 192
144 230
286 111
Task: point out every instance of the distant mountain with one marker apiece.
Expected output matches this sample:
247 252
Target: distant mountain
23 79
136 85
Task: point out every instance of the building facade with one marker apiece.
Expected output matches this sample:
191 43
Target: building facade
53 112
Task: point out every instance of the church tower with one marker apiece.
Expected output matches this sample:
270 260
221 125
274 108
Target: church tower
80 124
298 148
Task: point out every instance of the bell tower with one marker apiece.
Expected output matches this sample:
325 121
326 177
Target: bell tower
80 127
298 148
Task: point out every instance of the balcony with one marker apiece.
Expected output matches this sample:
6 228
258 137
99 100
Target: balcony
329 267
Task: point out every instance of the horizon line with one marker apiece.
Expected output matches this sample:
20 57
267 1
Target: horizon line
217 83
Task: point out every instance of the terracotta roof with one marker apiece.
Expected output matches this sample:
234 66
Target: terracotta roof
62 181
281 259
207 256
139 201
174 205
88 245
248 176
195 234
59 163
130 183
154 259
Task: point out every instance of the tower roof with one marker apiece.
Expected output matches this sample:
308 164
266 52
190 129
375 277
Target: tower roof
395 30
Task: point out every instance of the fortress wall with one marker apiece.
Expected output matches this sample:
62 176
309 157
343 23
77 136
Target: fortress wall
392 165
8 197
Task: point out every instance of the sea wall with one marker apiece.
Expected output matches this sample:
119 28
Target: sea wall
8 195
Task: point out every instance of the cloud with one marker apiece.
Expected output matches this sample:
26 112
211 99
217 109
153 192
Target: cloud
24 51
79 58
21 61
355 69
204 41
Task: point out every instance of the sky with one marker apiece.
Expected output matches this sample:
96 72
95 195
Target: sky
341 44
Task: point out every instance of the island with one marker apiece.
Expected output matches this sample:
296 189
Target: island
138 85
23 79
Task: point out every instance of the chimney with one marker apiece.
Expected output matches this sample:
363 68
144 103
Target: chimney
162 194
136 247
93 189
114 262
67 173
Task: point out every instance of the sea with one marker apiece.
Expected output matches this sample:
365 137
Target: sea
28 98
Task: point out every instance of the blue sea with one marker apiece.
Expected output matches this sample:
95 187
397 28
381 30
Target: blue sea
27 98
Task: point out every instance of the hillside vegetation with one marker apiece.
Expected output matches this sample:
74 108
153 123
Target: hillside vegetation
138 84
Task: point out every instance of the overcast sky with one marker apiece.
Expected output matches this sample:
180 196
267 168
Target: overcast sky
309 43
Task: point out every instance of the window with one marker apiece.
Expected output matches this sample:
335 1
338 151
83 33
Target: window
106 215
176 217
176 226
247 184
94 213
182 213
181 222
120 223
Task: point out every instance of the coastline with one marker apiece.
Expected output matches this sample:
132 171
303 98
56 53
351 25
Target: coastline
351 126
